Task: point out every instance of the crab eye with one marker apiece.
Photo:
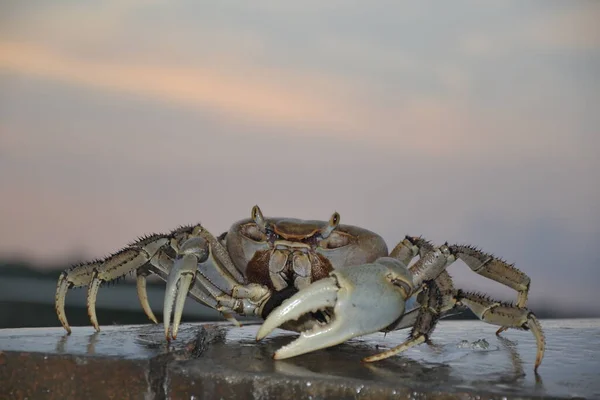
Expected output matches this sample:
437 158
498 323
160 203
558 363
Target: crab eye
334 241
253 232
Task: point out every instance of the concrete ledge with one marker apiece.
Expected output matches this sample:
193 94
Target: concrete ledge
65 377
215 360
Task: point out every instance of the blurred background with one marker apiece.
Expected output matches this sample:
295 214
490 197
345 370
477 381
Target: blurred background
472 123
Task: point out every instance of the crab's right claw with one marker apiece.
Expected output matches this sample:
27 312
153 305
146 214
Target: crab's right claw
179 281
355 300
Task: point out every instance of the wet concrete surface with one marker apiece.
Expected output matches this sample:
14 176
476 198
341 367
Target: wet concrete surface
216 360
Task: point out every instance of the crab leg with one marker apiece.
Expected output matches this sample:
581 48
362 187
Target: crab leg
405 252
77 276
487 310
432 304
496 269
505 315
482 263
497 313
93 274
141 275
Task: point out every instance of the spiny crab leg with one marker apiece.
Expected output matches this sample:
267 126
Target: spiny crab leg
487 310
93 274
440 297
505 315
80 275
353 293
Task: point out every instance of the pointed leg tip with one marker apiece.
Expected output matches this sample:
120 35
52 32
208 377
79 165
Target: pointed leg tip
152 318
66 327
175 332
262 333
231 319
538 362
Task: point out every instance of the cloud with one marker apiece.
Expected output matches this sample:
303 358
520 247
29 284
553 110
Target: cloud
565 29
253 97
291 102
572 29
342 83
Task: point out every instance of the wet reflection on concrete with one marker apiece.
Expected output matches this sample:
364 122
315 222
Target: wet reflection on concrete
130 342
570 367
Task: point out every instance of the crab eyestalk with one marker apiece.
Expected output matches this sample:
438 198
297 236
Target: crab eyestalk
359 300
333 223
259 219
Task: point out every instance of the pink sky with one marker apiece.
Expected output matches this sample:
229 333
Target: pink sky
476 123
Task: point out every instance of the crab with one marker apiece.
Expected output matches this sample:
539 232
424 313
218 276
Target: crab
328 281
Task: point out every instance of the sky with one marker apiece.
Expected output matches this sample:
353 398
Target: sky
473 122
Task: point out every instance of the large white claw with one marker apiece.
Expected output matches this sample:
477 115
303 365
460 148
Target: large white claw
317 296
363 298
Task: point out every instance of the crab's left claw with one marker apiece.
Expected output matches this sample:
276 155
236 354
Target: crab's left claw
179 281
353 301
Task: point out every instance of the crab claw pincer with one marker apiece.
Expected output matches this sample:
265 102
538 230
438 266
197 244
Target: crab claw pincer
358 300
178 285
179 281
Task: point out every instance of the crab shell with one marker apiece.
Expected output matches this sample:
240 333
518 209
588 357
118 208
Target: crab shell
282 252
